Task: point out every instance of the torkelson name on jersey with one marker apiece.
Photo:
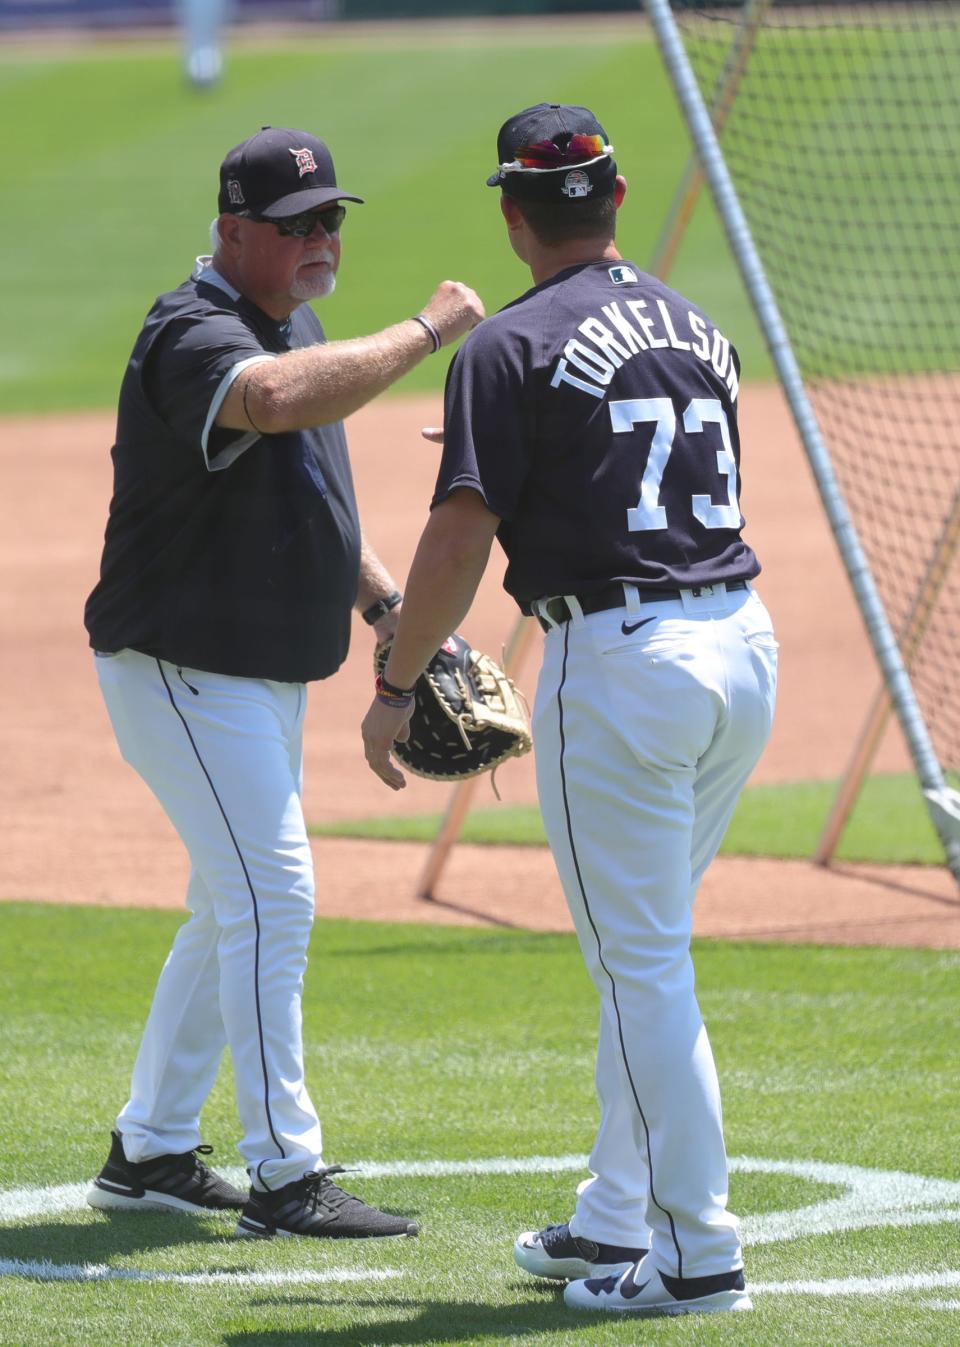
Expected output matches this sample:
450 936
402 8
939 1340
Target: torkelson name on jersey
619 339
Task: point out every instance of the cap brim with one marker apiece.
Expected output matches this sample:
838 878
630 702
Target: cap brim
495 179
307 200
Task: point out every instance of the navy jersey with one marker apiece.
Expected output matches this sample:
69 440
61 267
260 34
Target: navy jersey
225 550
596 415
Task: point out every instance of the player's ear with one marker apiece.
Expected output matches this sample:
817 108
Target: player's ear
619 190
516 226
510 211
227 229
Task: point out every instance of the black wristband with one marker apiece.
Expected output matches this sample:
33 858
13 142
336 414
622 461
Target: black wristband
381 607
393 693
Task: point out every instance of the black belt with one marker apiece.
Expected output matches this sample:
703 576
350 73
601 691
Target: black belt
612 597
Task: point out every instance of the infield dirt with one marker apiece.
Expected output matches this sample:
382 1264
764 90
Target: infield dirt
81 827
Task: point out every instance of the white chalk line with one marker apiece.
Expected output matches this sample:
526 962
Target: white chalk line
44 1270
866 1286
21 1203
870 1198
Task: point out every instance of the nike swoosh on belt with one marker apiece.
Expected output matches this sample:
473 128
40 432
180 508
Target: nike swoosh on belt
628 628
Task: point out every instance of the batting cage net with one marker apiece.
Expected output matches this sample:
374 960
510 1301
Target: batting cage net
840 127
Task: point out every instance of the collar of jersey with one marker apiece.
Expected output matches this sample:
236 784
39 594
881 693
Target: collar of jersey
204 271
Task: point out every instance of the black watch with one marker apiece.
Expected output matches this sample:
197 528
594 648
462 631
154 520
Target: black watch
381 607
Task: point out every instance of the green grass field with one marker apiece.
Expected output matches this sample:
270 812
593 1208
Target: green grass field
109 185
889 825
453 1066
444 1048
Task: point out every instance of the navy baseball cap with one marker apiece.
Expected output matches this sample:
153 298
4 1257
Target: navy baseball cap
278 172
554 152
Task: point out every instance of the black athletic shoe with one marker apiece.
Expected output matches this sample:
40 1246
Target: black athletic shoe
555 1253
314 1205
182 1182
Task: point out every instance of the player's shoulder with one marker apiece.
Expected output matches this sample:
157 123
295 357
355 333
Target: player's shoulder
514 327
197 318
626 290
194 299
625 278
498 335
588 287
609 278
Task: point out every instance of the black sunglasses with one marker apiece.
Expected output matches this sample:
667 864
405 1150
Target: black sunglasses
302 226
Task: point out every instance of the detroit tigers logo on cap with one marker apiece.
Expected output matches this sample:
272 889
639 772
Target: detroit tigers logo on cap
304 160
576 183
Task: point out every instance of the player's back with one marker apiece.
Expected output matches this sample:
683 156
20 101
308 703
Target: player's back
631 431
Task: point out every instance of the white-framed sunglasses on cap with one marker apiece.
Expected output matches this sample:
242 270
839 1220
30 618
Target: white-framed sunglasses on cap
546 156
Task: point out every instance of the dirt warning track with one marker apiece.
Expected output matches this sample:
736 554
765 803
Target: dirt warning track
79 826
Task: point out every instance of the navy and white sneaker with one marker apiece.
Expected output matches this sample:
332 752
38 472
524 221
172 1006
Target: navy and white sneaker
557 1254
316 1206
644 1290
167 1182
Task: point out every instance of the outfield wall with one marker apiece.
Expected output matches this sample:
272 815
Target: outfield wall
61 14
92 14
159 13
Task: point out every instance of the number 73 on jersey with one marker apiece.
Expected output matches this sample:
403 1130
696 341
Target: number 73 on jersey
649 514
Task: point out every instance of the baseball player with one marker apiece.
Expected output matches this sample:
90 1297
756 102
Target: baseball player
232 560
201 27
591 426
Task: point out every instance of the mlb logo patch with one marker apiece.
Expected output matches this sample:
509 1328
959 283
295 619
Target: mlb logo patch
576 183
234 192
305 161
622 275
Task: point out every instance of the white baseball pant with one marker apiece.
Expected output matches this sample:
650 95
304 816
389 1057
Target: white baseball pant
643 744
224 758
202 24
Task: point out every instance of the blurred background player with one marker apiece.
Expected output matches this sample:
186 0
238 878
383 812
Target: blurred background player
201 28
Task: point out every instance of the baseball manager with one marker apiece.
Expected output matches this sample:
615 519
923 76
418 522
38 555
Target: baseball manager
233 558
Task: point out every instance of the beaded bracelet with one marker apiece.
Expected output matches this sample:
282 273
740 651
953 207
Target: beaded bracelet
398 698
429 328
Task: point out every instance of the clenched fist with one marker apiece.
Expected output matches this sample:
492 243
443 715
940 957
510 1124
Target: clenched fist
453 309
